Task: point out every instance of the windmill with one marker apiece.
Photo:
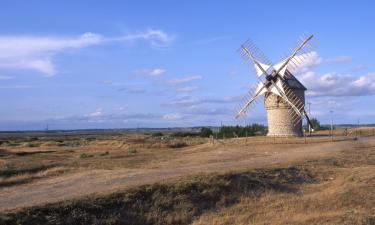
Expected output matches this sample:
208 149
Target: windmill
284 96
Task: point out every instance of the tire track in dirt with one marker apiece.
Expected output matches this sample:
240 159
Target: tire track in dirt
105 181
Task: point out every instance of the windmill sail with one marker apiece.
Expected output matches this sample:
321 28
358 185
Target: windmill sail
276 77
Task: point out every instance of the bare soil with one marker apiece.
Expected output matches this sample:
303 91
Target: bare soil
104 167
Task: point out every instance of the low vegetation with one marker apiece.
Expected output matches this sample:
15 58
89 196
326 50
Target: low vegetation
164 203
242 131
333 190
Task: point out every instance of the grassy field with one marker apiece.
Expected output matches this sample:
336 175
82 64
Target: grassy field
25 159
209 182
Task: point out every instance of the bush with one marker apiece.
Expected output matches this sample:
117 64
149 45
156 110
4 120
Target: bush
33 145
316 125
206 132
104 153
132 151
157 134
239 131
178 145
84 155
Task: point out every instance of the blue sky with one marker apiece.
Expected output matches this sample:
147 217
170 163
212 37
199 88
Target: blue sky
119 64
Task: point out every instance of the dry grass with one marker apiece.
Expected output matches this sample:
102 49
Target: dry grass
331 202
339 189
333 190
175 202
344 194
29 159
25 177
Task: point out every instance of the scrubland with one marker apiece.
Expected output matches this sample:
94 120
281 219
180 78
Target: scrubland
120 178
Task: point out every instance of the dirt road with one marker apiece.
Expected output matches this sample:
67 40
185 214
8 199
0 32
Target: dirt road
192 160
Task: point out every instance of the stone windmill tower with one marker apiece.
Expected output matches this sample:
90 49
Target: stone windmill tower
284 95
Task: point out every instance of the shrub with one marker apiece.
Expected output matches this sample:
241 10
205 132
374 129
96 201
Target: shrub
84 155
316 125
157 134
33 145
104 153
240 131
178 145
132 151
206 132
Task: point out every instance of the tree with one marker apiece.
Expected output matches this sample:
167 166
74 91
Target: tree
315 125
240 131
206 132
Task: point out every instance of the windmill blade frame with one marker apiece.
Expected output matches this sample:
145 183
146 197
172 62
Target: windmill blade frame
249 99
281 83
258 60
304 54
294 54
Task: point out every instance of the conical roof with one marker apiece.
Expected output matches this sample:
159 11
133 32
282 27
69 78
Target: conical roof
292 81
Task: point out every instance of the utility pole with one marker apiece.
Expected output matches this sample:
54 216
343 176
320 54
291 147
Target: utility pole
358 128
137 131
309 104
221 127
331 111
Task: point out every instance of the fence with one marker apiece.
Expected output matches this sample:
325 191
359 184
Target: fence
341 134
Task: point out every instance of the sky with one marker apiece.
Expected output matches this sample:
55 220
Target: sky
124 64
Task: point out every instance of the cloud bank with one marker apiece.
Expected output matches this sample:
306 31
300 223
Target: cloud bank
333 84
36 52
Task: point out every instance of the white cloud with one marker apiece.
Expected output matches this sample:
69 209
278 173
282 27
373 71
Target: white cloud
96 114
132 89
183 102
311 60
157 38
172 116
182 80
42 65
16 46
189 102
188 89
307 62
36 52
334 84
150 72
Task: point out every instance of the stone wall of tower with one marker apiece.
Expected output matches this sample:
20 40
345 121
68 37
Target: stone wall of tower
279 117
